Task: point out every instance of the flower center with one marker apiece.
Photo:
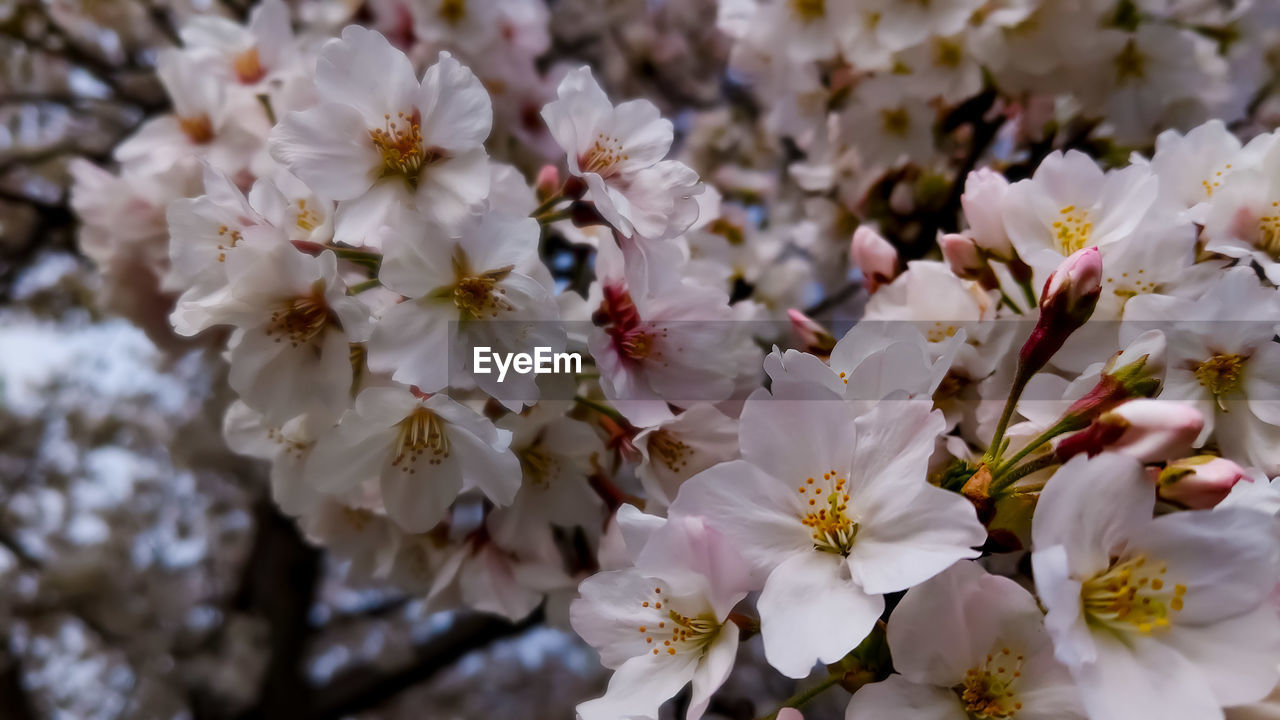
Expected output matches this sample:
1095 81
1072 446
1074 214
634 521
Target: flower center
301 319
1130 64
421 432
232 238
895 121
676 632
453 11
399 143
809 10
538 465
636 344
1220 374
947 53
1131 595
307 219
1269 233
673 452
197 128
603 156
1072 230
248 66
832 529
1215 182
479 295
987 692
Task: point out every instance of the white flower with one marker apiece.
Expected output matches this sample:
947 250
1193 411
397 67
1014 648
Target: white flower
1070 204
1243 216
618 152
381 140
663 623
675 450
295 325
1222 359
248 54
1161 617
969 645
287 447
423 452
832 512
483 286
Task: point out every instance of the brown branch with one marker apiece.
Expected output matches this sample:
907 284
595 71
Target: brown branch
15 701
367 687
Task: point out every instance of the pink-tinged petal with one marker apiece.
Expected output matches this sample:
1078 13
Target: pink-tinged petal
713 670
640 686
578 114
1060 593
900 699
328 148
358 220
811 611
364 71
1143 680
1236 657
1091 506
412 341
905 545
609 612
758 514
448 190
457 113
796 440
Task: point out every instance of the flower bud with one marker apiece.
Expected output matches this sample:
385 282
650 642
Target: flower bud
1135 372
877 259
1147 430
1199 482
983 202
1070 295
790 714
812 335
547 183
966 260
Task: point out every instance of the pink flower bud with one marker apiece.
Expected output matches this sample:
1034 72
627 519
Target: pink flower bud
1074 287
966 260
812 335
1199 482
1147 430
1135 372
983 202
877 259
547 183
789 714
1069 298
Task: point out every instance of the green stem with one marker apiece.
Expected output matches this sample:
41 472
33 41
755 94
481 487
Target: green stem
362 286
1030 293
803 697
550 203
547 218
1008 301
1040 463
1020 380
602 409
1054 430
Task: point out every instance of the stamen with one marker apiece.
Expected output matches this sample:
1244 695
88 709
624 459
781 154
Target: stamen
422 432
673 452
301 319
603 156
1073 230
678 633
809 10
1132 595
400 144
1221 375
197 128
832 529
248 66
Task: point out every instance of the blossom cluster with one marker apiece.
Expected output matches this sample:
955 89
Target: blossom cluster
1084 373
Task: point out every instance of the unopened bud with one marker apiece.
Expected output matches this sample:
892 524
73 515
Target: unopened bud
790 714
1135 372
874 256
966 260
1199 482
1146 430
983 202
815 338
1067 302
547 183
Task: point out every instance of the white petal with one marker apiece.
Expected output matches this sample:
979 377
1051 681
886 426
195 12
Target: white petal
900 699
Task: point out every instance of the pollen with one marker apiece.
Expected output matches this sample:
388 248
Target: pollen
453 11
987 692
248 66
677 633
895 121
307 219
1130 63
399 142
831 527
422 433
538 465
809 10
1132 595
1073 229
670 450
299 320
1269 233
604 156
1221 375
197 128
231 238
479 296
